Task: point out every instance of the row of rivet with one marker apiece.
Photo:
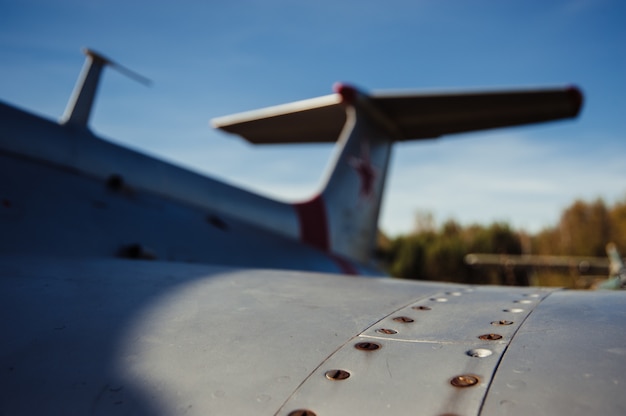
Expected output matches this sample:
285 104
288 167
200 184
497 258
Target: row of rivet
468 380
461 381
465 380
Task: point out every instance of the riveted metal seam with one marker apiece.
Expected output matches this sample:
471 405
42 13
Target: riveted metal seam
501 357
351 339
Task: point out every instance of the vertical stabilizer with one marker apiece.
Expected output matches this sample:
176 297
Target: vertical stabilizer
79 107
343 218
617 270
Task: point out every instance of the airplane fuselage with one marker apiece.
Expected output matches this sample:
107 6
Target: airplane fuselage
89 185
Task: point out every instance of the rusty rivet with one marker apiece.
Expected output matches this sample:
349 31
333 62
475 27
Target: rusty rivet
404 319
337 375
386 331
421 308
367 346
502 322
302 412
490 337
464 381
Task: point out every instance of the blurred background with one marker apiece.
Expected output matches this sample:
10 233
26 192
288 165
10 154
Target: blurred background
554 189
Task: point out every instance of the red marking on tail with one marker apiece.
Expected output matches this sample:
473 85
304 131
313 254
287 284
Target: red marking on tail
314 231
348 93
313 223
345 266
366 171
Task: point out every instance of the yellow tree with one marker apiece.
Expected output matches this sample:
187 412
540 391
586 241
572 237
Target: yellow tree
585 229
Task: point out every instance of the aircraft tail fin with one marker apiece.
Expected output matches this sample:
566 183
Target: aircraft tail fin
78 109
343 218
617 269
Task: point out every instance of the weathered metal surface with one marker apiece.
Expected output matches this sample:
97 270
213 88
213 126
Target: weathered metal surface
427 357
78 150
569 358
55 212
461 314
137 337
398 378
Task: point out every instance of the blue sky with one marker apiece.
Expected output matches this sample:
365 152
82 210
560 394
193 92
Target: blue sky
209 59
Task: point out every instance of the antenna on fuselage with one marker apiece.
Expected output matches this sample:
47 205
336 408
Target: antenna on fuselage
79 107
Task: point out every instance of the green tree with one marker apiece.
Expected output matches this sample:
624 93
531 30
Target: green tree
437 253
498 238
444 258
407 254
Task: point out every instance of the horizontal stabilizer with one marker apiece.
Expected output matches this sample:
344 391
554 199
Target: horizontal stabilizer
309 121
416 116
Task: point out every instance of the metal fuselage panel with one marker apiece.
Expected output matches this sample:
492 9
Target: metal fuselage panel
119 337
55 212
66 192
568 358
78 150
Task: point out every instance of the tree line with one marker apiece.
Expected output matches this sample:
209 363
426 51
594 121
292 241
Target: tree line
432 252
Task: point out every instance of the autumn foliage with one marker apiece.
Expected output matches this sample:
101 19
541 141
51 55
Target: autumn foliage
437 252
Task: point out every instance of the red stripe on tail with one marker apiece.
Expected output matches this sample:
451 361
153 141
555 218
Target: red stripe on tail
345 266
313 223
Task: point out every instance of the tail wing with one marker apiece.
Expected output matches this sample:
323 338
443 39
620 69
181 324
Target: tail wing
617 270
343 218
79 107
417 116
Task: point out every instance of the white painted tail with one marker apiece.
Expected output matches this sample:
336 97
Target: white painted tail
343 218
